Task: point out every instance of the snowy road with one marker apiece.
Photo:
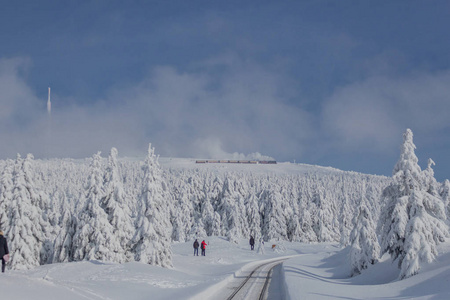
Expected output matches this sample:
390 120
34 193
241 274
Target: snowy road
251 283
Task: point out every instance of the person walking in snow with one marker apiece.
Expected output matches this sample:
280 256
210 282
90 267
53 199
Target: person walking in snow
196 247
3 250
252 243
204 248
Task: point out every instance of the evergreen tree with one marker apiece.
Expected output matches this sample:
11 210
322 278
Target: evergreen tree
208 216
294 229
95 238
445 195
6 193
308 235
254 218
431 185
407 176
152 238
424 230
183 219
63 251
274 221
412 221
26 224
217 225
365 249
345 223
115 203
198 230
230 215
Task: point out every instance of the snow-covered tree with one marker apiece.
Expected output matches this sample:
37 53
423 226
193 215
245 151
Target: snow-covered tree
198 230
294 230
444 192
152 237
345 224
229 211
183 217
217 225
308 235
94 238
254 218
431 185
424 230
365 249
6 189
325 224
115 203
208 216
274 225
63 251
411 222
407 176
407 173
26 225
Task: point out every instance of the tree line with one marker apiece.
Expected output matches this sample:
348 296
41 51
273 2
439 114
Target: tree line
121 210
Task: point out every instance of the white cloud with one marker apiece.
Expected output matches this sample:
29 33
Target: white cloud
372 114
241 109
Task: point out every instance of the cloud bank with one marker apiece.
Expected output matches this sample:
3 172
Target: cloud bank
238 112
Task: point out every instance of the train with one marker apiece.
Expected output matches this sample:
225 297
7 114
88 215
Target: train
208 161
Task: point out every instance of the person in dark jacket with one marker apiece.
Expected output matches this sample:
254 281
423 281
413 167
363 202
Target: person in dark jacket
252 243
3 250
204 248
196 247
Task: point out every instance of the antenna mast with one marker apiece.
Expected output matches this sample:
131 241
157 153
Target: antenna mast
49 104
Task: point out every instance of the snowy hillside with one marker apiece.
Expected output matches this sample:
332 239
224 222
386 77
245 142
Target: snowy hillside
100 217
321 271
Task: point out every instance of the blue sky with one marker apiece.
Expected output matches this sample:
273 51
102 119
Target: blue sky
332 83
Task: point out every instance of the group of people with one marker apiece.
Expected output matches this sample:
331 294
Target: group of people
4 252
203 246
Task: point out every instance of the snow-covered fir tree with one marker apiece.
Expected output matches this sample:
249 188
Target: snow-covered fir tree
424 230
365 249
94 238
6 189
208 216
444 192
217 225
274 225
63 250
116 205
307 235
26 230
152 237
294 230
411 223
345 224
254 218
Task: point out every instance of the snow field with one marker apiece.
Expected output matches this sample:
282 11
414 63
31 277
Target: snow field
323 272
318 271
190 278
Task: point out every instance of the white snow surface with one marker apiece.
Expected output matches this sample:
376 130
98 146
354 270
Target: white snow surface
317 271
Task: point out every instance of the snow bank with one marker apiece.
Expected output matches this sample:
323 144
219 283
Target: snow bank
323 273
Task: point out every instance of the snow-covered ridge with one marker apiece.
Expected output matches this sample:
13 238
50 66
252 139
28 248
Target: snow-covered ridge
121 210
72 199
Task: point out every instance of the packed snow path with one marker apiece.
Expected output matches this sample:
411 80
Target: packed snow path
254 286
251 282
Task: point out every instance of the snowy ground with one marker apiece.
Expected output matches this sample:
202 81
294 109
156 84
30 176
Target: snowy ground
319 272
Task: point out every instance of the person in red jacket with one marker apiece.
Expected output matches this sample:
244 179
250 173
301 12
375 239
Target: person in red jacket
204 248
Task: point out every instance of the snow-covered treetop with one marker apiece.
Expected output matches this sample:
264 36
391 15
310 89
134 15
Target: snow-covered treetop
407 171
